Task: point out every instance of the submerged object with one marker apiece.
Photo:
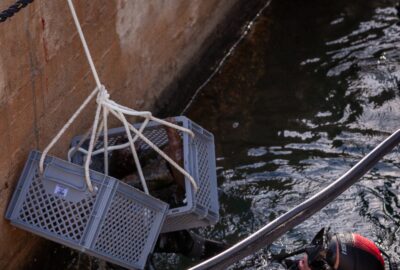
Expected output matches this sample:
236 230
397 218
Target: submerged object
164 182
156 173
160 182
189 244
121 163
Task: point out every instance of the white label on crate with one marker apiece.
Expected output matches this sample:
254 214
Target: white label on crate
61 191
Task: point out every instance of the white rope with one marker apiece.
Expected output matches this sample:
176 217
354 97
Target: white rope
133 149
64 128
104 107
91 146
84 44
165 123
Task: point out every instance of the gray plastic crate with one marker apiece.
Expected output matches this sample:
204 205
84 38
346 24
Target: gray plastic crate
116 222
202 207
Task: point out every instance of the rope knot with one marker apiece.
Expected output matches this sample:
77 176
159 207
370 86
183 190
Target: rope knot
103 95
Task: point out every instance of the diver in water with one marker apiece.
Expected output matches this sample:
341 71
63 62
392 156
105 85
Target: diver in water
342 251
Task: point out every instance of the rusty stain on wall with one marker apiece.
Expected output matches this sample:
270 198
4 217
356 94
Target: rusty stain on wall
2 84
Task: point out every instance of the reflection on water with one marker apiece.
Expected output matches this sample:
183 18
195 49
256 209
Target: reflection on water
312 89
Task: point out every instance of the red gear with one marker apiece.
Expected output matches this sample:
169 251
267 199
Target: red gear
368 246
352 251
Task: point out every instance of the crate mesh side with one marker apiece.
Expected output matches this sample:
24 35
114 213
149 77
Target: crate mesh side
54 214
155 134
204 192
126 230
113 140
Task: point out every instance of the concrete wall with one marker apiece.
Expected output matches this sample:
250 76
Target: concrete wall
139 48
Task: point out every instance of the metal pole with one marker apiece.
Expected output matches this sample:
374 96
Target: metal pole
269 233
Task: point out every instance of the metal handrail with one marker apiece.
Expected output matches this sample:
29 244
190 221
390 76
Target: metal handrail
270 232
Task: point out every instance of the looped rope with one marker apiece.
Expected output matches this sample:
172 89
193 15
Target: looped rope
14 8
105 106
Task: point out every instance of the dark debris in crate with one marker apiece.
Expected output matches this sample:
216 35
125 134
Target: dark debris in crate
163 180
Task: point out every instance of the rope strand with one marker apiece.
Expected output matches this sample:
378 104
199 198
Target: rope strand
84 44
65 127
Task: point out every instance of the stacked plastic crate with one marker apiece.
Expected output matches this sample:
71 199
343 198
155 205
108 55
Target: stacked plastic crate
116 222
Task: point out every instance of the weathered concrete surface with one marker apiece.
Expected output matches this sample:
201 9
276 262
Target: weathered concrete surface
139 48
